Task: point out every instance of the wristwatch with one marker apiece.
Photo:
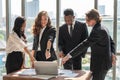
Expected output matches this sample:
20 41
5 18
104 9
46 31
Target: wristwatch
47 49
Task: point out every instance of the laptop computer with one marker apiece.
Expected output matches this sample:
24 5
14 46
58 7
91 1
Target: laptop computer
46 67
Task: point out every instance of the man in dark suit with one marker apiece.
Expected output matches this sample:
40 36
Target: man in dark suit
70 35
102 47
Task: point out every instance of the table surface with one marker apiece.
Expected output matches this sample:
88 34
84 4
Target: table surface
82 75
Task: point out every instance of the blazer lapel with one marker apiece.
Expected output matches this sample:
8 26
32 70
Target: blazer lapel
74 30
37 40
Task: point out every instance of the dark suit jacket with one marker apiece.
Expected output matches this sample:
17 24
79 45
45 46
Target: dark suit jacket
66 42
102 47
49 33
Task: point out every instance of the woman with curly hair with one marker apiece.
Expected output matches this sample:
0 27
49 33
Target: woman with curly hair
44 36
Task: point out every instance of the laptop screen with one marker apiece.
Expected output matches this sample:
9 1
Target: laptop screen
46 67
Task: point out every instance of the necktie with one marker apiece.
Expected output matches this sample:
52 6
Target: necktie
71 30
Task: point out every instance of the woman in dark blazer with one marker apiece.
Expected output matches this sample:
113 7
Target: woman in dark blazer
44 36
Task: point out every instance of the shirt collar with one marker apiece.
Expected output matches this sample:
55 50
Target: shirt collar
73 24
43 28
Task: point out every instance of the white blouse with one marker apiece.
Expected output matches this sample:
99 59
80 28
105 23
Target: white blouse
40 36
15 43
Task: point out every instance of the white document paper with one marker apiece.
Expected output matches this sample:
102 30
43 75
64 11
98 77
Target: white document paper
67 73
64 73
33 74
26 72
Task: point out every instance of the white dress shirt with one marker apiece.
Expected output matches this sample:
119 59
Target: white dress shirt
40 36
15 43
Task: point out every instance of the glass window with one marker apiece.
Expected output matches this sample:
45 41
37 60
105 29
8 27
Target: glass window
79 7
15 11
106 11
118 42
2 64
2 24
2 36
118 27
118 68
50 7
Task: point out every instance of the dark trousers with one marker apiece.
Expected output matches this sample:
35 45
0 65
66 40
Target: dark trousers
40 56
14 61
74 63
99 75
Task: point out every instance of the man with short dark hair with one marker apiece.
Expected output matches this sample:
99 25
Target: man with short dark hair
70 35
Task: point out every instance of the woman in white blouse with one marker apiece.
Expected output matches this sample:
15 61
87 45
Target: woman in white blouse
16 46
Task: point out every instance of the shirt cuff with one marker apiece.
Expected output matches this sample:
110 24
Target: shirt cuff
69 55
